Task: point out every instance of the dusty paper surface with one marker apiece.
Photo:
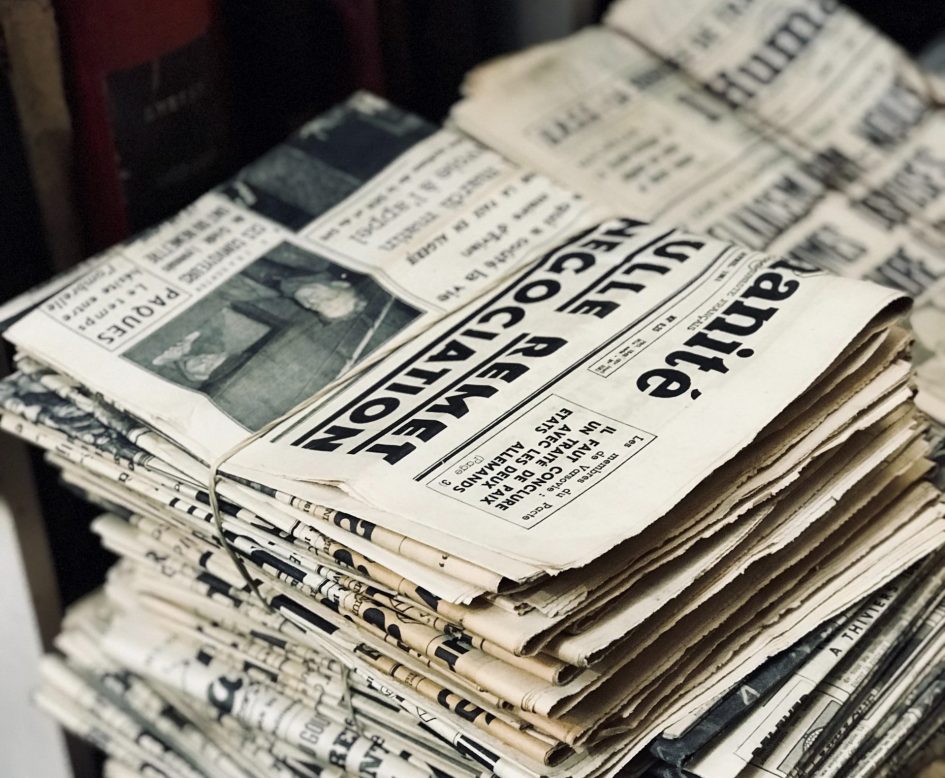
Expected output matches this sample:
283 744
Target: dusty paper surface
575 310
811 68
266 292
840 169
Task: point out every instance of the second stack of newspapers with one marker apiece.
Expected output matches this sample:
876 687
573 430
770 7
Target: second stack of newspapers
416 466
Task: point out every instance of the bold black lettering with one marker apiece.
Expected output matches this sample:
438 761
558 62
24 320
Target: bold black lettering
663 382
330 439
455 404
757 317
539 346
768 286
452 351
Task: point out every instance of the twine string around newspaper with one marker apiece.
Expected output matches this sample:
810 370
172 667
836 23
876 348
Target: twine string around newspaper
347 699
213 481
346 695
218 522
218 462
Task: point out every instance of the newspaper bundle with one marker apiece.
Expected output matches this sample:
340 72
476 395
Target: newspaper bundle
794 127
788 126
417 463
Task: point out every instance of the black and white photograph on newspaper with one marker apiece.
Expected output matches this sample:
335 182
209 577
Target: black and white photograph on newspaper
274 334
326 160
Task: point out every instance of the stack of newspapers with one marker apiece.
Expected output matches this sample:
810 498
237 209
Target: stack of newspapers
786 126
417 463
416 467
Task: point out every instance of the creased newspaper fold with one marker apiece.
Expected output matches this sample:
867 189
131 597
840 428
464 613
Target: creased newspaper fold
416 464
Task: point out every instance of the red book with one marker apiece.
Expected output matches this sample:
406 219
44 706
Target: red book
149 106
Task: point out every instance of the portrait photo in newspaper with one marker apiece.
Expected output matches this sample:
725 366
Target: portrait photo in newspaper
274 334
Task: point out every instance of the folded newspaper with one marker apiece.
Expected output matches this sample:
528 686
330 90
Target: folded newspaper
418 464
788 126
785 125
